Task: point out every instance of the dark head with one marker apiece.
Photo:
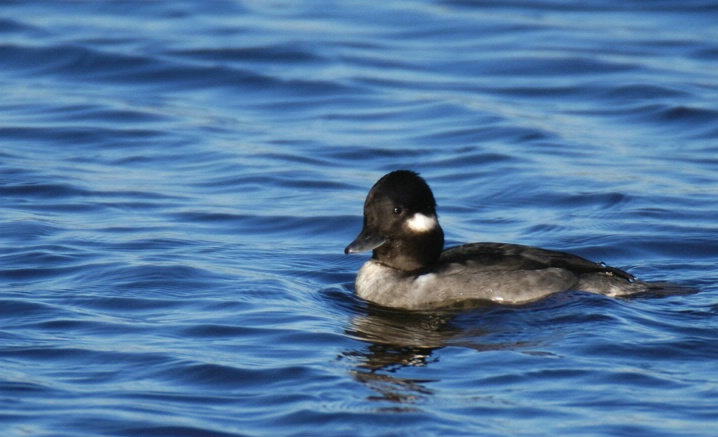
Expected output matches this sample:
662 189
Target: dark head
400 223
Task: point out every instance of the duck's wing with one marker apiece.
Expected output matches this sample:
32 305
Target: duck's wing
503 256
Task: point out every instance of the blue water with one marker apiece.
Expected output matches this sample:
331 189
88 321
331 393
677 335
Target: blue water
178 181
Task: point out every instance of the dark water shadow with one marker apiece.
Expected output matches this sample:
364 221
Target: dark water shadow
397 340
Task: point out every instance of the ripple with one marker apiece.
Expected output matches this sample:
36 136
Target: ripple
632 92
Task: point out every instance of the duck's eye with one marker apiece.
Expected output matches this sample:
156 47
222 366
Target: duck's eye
398 210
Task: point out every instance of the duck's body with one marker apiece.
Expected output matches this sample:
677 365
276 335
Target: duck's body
506 273
410 270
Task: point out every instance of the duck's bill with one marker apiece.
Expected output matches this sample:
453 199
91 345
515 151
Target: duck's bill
364 242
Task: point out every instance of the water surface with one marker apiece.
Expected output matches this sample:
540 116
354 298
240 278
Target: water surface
179 179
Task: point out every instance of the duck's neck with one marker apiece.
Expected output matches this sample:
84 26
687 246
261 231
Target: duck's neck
415 252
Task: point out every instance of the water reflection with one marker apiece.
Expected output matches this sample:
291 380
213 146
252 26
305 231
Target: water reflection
396 340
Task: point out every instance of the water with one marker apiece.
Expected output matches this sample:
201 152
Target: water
179 179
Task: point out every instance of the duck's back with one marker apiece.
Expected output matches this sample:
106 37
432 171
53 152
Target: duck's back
514 273
512 257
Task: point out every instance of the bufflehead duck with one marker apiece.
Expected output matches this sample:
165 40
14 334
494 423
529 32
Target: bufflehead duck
409 268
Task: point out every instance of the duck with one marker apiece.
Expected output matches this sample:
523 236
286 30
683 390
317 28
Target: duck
410 269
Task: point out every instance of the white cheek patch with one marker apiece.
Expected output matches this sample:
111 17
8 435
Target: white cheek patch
422 223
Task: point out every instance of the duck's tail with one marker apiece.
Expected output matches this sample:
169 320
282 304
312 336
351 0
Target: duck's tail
616 286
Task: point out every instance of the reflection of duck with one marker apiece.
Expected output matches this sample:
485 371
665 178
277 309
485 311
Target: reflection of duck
396 340
409 270
393 388
400 339
403 329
